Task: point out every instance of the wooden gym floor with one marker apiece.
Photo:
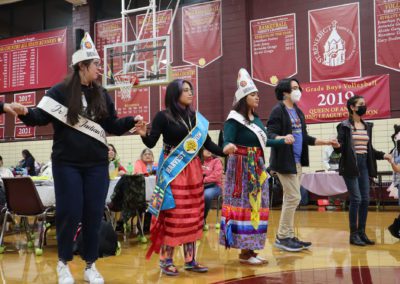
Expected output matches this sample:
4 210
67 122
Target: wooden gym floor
331 259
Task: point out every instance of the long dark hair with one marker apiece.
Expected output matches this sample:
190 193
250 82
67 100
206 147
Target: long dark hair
174 91
396 143
352 102
96 102
243 108
27 154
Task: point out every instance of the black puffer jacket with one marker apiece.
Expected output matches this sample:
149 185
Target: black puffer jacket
348 162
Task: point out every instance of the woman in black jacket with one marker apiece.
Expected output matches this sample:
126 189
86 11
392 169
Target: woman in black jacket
357 164
81 111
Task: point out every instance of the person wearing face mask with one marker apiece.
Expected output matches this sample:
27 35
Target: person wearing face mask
287 121
357 163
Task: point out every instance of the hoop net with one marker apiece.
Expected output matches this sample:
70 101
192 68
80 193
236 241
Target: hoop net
125 83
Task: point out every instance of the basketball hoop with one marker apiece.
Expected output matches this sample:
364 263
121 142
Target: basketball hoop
125 83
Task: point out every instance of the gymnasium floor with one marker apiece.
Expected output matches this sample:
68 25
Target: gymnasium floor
331 259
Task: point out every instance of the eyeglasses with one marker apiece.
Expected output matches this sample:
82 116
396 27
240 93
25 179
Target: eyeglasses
97 63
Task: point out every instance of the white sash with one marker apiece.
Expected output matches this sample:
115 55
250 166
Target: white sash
84 125
260 133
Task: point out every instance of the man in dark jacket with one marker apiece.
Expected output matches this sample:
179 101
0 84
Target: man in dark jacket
287 121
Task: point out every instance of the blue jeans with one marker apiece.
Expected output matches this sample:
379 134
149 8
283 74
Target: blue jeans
358 188
209 194
80 197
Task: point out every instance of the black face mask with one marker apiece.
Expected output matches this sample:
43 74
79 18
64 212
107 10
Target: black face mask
361 110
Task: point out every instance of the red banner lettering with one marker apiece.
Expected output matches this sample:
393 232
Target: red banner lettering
202 33
326 101
273 41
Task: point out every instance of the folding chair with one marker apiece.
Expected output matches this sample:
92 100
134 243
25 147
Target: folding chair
23 200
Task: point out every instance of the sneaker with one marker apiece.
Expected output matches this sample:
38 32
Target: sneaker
195 267
288 244
64 275
395 233
306 245
92 276
168 267
251 260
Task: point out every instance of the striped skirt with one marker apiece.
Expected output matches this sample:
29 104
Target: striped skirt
184 223
236 210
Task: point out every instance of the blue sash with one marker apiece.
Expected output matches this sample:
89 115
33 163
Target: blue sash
173 165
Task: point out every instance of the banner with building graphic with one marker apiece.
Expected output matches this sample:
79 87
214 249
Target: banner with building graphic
334 42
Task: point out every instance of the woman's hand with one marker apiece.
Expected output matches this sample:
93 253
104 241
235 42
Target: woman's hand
140 128
230 149
289 139
388 158
15 109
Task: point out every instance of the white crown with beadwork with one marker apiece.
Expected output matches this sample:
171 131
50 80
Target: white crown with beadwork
245 85
87 51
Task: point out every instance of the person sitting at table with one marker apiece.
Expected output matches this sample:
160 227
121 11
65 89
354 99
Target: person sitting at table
114 163
146 163
212 173
28 163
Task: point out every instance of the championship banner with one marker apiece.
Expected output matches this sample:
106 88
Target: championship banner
273 41
3 100
138 104
107 32
23 132
326 101
27 99
186 72
163 23
202 33
33 61
334 42
387 33
1 133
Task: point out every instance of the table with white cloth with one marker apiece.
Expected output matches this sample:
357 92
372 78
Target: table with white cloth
46 192
324 183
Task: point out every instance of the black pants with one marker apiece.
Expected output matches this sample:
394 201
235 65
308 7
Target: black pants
80 197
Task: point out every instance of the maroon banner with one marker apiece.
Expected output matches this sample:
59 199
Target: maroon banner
326 101
334 43
34 61
1 133
3 100
27 99
186 72
22 132
273 41
107 32
164 19
202 33
138 104
387 33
